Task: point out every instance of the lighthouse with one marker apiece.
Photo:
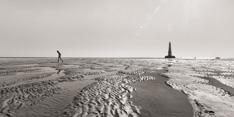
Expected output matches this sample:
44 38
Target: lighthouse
169 52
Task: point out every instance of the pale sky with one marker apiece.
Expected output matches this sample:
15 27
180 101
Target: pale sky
116 28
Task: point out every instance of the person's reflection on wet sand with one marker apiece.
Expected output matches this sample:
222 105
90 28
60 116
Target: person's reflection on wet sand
58 71
58 68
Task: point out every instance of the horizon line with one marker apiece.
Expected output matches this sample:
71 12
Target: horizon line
131 57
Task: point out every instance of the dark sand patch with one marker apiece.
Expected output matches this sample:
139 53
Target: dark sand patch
159 100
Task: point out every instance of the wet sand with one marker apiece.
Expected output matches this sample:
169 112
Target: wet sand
54 105
218 84
206 96
110 87
159 100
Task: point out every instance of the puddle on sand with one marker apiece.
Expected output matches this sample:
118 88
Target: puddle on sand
57 73
159 100
43 69
27 65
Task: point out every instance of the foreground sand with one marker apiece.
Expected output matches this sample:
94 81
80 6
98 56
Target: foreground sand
158 100
208 97
108 87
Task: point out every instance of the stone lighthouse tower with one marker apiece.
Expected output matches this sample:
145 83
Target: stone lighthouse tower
169 52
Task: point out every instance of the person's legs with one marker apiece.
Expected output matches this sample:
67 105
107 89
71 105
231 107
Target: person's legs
58 59
61 59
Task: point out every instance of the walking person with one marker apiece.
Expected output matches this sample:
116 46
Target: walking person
59 56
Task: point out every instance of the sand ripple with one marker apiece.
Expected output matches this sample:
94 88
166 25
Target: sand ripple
108 97
14 98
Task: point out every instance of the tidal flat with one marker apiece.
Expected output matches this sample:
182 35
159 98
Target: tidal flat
116 87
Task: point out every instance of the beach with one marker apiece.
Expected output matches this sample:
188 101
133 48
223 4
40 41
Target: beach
116 87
